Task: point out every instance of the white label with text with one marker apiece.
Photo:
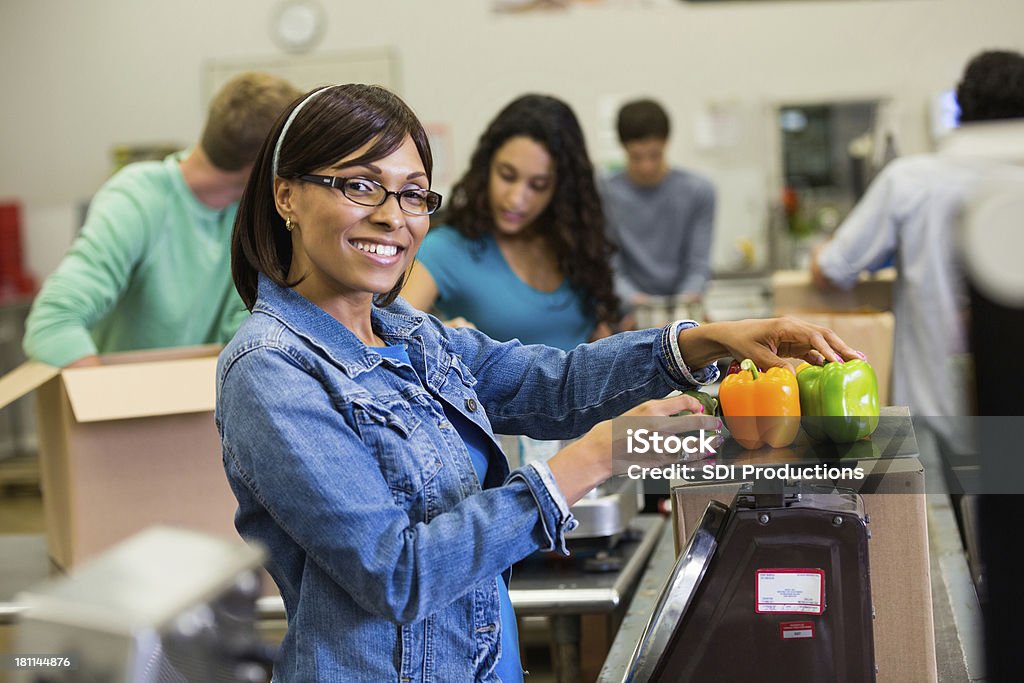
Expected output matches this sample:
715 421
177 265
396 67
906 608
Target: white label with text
790 591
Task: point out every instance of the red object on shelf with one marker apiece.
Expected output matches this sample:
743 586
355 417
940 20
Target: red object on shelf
790 201
15 281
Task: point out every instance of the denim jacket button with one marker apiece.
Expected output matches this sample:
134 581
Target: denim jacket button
471 405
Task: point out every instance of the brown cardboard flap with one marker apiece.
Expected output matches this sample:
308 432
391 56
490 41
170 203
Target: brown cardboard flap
117 392
27 377
169 353
793 291
802 278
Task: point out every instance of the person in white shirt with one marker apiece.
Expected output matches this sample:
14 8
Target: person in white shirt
909 214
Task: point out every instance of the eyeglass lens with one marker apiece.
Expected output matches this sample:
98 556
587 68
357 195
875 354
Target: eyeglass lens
371 193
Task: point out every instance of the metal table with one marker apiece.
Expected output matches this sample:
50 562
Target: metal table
652 582
24 563
562 586
563 590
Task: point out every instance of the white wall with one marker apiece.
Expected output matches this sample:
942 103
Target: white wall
79 77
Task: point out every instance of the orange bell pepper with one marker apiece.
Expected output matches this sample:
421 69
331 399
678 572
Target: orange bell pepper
761 407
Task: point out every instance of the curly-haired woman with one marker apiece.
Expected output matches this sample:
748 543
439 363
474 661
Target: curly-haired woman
523 253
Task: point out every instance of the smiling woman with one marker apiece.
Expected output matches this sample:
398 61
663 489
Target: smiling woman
358 432
371 124
352 242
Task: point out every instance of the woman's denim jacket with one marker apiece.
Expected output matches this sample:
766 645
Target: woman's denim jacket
345 468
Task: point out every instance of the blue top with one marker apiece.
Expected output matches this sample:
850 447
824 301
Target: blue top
382 541
475 281
481 448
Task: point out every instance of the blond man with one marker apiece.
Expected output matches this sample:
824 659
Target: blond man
151 265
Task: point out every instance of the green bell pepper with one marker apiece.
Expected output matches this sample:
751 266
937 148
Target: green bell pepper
709 402
838 401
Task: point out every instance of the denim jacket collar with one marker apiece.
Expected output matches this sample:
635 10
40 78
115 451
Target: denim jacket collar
316 326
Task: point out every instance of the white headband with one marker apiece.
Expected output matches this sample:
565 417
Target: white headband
288 123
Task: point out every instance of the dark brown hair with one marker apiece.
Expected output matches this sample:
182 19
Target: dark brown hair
992 87
641 120
240 116
332 124
573 222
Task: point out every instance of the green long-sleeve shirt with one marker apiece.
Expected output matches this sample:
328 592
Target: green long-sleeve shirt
151 268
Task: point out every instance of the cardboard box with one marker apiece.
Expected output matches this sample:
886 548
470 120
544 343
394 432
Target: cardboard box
125 446
794 291
898 552
871 333
861 316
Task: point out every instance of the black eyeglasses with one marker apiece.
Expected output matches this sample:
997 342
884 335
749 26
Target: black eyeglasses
366 192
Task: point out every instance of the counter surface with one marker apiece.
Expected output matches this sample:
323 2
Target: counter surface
652 583
563 586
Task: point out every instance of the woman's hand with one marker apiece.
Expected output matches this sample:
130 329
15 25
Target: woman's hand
818 276
587 462
768 342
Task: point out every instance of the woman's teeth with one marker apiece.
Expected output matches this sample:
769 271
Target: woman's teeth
379 249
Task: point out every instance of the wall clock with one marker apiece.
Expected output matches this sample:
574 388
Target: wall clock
298 25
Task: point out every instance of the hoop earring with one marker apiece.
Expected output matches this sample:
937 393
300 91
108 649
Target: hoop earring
289 226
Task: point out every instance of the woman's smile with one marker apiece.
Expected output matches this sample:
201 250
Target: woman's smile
383 252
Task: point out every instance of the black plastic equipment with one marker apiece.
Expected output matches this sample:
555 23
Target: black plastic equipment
774 588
